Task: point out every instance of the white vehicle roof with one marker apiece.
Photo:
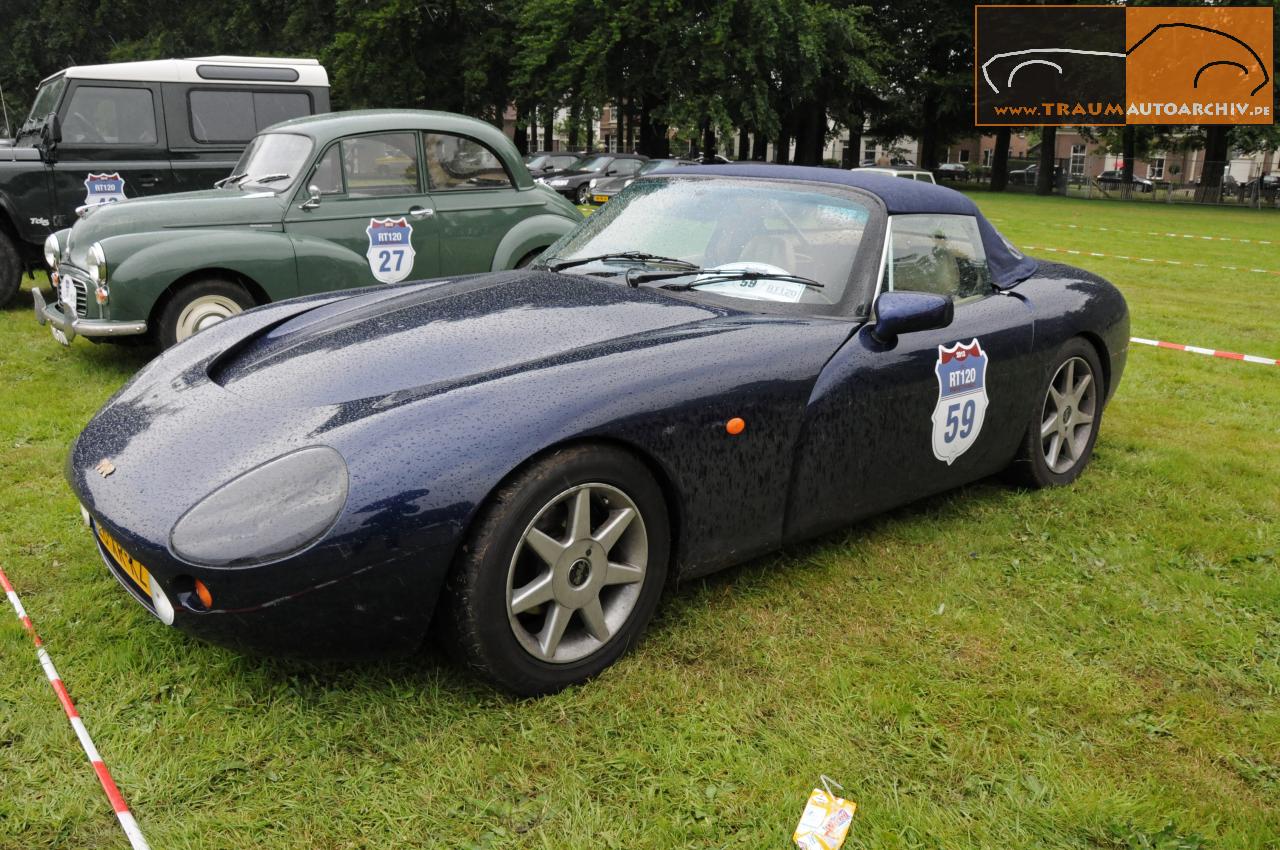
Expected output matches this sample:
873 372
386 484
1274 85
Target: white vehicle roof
223 70
908 173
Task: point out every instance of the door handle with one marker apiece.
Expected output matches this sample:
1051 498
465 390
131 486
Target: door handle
421 212
148 181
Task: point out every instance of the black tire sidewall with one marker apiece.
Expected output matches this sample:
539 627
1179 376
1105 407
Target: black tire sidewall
583 194
475 598
10 269
167 326
1035 470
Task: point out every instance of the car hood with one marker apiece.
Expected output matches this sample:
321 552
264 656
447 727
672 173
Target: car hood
420 339
207 208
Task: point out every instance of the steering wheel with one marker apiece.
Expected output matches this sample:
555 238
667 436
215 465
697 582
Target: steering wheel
72 127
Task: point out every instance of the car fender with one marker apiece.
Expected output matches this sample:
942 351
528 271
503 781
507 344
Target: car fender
531 234
141 267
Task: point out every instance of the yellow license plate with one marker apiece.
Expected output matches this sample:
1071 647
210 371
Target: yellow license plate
127 562
600 199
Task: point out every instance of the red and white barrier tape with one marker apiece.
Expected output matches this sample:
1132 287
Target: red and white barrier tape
1229 355
130 826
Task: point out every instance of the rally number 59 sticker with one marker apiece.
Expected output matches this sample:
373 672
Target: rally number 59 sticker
962 399
390 251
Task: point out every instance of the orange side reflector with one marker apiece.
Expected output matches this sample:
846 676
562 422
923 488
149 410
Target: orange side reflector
735 426
203 592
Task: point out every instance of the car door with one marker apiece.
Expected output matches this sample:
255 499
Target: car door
475 199
372 209
113 145
889 422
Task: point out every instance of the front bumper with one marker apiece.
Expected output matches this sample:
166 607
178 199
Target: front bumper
72 326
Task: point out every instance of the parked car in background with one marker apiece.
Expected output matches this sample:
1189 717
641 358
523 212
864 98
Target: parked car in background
1027 176
951 171
97 134
1115 179
545 162
722 361
604 188
908 173
573 181
315 204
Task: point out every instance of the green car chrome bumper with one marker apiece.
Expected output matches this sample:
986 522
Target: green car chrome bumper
67 328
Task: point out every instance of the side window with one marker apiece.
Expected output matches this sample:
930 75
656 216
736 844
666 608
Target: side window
101 115
940 254
236 116
221 116
456 162
383 164
328 176
626 167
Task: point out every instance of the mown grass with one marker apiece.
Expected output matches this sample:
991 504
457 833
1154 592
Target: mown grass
1090 667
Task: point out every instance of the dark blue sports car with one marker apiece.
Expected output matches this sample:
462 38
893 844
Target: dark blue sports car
722 360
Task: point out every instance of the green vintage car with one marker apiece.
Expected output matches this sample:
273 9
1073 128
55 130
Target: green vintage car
315 204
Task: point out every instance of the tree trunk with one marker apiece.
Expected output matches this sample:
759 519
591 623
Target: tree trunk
760 147
708 141
782 150
1048 147
591 129
521 135
533 130
744 144
855 142
575 116
549 128
811 132
1000 160
1129 145
1215 162
653 133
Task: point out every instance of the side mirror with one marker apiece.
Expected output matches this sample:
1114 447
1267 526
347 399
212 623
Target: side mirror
908 312
50 135
313 199
611 172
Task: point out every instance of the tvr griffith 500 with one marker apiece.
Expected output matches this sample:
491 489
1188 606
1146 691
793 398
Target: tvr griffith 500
723 360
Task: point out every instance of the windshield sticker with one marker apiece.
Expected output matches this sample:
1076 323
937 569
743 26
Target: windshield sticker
757 289
962 399
103 189
390 248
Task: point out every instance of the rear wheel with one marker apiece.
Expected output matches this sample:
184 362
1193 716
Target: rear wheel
562 572
1064 426
200 305
529 258
10 269
584 194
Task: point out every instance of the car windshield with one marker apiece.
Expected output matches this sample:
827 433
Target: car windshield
591 163
736 226
47 97
537 161
268 157
658 165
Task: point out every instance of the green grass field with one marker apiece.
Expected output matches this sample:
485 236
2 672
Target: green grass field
1095 667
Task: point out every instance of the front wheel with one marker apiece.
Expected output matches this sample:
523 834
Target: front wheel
1064 425
584 194
200 305
562 572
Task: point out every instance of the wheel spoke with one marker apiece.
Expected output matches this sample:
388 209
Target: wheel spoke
553 629
1057 398
580 516
1071 375
623 574
1082 418
1048 426
1078 391
533 594
1068 442
544 546
593 618
609 533
1055 448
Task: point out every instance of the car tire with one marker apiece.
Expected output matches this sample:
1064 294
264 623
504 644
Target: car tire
1064 424
537 602
528 258
10 269
583 195
198 305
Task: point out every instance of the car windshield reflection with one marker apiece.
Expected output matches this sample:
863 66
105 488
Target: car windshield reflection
272 160
770 230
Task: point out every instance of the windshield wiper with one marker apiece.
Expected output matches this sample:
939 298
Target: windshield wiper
227 181
270 178
638 256
714 276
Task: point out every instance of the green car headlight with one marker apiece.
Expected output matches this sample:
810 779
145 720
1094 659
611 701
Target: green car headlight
97 263
270 512
51 251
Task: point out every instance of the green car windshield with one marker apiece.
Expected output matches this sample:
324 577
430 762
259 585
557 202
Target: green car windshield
732 225
268 157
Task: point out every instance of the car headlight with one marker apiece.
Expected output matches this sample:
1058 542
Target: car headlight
270 512
51 251
559 182
628 182
591 184
97 263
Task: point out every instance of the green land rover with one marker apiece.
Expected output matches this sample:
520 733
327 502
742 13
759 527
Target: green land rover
315 204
